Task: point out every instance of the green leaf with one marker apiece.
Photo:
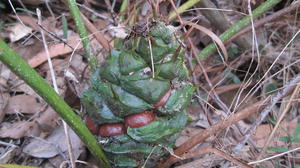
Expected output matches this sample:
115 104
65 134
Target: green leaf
270 88
232 52
1 25
2 5
233 77
286 139
278 149
64 26
295 139
297 130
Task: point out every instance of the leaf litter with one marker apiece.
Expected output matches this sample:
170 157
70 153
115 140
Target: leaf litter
19 123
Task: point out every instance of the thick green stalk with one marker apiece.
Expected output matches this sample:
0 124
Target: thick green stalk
21 68
211 48
83 34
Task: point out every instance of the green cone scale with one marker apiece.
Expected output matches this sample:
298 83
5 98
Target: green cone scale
133 80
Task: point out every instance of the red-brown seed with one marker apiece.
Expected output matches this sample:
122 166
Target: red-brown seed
111 129
93 127
164 99
139 119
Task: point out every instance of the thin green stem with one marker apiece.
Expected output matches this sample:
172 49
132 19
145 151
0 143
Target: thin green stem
21 68
183 8
15 166
124 6
211 48
83 34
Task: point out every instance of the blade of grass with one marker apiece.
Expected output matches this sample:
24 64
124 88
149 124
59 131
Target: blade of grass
124 6
183 8
21 68
83 34
64 26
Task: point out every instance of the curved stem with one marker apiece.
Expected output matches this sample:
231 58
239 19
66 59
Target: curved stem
21 68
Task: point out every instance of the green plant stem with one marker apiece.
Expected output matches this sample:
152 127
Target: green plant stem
83 34
15 166
183 8
21 68
211 48
123 7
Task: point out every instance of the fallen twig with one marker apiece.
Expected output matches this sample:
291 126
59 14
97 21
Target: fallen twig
98 34
217 152
199 138
287 90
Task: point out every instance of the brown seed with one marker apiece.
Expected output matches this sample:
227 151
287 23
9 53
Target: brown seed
111 129
93 127
139 119
164 99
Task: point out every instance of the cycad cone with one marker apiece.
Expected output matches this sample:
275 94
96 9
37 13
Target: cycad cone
124 86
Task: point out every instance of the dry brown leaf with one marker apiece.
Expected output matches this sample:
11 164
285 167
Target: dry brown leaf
21 86
4 74
45 122
54 144
3 102
56 50
18 129
27 104
186 134
9 155
203 162
263 131
29 49
18 31
27 20
97 34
